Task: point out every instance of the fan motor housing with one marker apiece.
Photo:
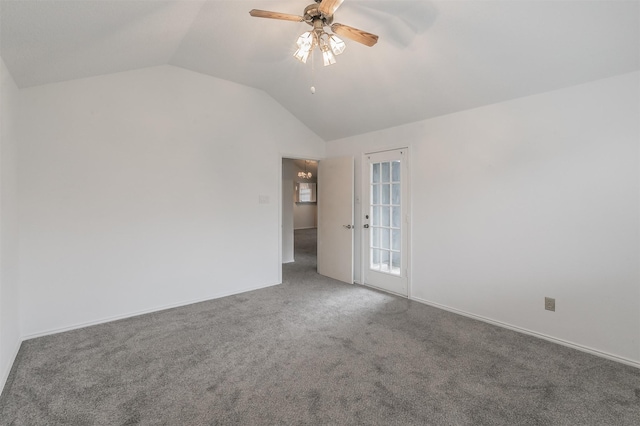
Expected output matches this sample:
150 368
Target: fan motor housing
312 13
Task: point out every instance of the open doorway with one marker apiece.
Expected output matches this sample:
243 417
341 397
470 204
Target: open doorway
299 215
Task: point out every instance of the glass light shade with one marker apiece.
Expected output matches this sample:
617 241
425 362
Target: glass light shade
305 44
302 55
305 40
327 56
337 45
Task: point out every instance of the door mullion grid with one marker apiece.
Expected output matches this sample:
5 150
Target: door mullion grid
387 169
376 192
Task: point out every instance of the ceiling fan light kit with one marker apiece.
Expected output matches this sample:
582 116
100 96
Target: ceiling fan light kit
319 16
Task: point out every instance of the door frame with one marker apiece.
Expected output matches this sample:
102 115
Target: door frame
285 157
364 187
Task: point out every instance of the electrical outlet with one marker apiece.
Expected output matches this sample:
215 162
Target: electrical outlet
550 304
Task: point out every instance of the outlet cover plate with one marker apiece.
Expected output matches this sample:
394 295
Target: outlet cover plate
550 304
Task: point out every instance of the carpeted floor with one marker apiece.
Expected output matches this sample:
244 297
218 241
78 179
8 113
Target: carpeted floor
312 351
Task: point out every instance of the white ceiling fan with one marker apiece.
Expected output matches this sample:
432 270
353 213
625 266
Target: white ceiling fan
319 16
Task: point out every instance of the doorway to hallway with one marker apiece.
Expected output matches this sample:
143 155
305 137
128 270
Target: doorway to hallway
299 216
305 242
306 259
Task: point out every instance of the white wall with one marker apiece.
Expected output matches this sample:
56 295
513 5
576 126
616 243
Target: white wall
529 198
9 275
305 215
134 193
287 211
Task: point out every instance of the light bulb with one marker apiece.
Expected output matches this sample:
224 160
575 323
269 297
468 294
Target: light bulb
313 90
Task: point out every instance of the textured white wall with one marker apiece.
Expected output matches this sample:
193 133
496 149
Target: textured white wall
9 275
529 198
287 221
288 249
305 215
134 193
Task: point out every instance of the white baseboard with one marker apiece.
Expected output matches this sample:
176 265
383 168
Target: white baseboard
533 333
142 312
7 370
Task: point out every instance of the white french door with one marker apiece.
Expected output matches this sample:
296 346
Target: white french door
386 221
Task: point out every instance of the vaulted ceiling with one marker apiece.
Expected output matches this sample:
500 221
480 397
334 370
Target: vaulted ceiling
433 57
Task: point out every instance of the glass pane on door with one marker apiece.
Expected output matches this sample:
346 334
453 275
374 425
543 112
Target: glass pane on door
385 210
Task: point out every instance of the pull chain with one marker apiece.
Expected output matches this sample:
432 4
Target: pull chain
313 73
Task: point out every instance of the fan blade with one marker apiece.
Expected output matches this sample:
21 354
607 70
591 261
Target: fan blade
275 15
329 7
355 34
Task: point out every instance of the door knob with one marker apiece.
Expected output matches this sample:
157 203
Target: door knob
366 225
347 226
